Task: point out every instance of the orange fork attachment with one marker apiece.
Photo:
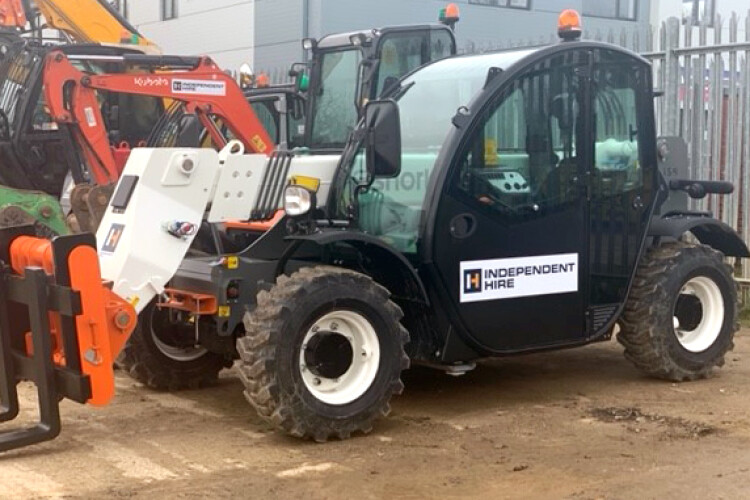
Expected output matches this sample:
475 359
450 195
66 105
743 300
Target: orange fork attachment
105 322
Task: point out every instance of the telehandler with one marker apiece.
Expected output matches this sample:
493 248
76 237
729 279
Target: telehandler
521 210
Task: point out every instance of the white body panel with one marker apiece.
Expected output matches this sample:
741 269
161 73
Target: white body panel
322 167
236 191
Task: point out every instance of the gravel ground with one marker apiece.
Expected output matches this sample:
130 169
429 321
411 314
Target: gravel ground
573 424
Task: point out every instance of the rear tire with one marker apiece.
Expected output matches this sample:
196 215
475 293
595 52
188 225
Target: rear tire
681 314
323 353
152 359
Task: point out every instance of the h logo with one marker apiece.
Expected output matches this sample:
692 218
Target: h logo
113 238
472 281
176 86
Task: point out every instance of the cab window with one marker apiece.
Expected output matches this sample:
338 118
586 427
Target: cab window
401 53
268 116
617 169
522 159
335 114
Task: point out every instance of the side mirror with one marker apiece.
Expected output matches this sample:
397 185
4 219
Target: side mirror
383 138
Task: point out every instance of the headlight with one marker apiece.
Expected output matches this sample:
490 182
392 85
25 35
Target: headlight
297 200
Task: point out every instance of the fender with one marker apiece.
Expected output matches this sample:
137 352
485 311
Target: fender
405 272
709 231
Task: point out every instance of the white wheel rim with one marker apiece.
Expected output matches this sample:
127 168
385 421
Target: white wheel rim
365 360
698 338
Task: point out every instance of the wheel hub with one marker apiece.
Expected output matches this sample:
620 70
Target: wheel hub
698 314
339 357
328 354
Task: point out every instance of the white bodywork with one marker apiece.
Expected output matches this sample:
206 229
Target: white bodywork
136 251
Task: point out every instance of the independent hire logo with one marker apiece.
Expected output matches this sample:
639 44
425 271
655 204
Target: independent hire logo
472 281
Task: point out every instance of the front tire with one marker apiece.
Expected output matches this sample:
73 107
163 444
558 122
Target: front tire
681 314
154 354
323 353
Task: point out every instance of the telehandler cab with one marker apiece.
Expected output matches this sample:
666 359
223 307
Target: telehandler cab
519 211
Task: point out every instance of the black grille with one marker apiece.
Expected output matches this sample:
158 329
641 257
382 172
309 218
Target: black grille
600 316
272 186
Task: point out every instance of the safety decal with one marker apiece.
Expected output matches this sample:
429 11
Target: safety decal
90 117
518 277
114 235
199 87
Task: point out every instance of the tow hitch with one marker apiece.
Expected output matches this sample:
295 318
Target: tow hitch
60 328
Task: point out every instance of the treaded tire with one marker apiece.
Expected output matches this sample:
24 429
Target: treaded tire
269 353
144 361
647 328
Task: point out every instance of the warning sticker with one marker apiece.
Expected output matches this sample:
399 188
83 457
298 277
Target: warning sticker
199 87
518 277
114 235
90 117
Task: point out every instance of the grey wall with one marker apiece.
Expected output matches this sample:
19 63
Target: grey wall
279 24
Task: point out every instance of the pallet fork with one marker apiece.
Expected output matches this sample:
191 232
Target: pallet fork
60 328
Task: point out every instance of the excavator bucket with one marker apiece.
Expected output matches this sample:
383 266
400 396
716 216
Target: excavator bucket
61 328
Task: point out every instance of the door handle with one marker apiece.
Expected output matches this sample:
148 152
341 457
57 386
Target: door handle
463 225
637 203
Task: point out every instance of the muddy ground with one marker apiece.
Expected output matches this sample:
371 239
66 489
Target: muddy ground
575 424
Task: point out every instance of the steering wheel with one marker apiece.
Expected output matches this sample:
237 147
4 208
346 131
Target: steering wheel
560 181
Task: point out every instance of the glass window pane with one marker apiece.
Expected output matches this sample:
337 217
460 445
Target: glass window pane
335 114
627 9
617 168
525 155
268 116
523 4
601 8
400 54
440 45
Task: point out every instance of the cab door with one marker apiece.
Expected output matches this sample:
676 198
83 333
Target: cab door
510 238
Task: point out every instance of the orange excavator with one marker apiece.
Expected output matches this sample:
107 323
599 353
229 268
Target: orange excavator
205 90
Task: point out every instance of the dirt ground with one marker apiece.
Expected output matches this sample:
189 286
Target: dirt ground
579 424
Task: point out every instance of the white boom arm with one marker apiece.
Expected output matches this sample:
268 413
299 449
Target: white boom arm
157 210
161 200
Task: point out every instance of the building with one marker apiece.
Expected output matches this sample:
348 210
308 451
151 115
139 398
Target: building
222 29
268 33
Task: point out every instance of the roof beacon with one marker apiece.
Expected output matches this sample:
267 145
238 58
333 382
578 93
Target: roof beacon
569 25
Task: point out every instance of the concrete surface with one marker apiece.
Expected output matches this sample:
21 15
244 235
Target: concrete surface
575 424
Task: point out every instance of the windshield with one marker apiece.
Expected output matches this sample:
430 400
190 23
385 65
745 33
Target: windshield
334 114
427 101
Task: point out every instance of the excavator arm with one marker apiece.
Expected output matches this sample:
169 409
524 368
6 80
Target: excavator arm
91 21
197 81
